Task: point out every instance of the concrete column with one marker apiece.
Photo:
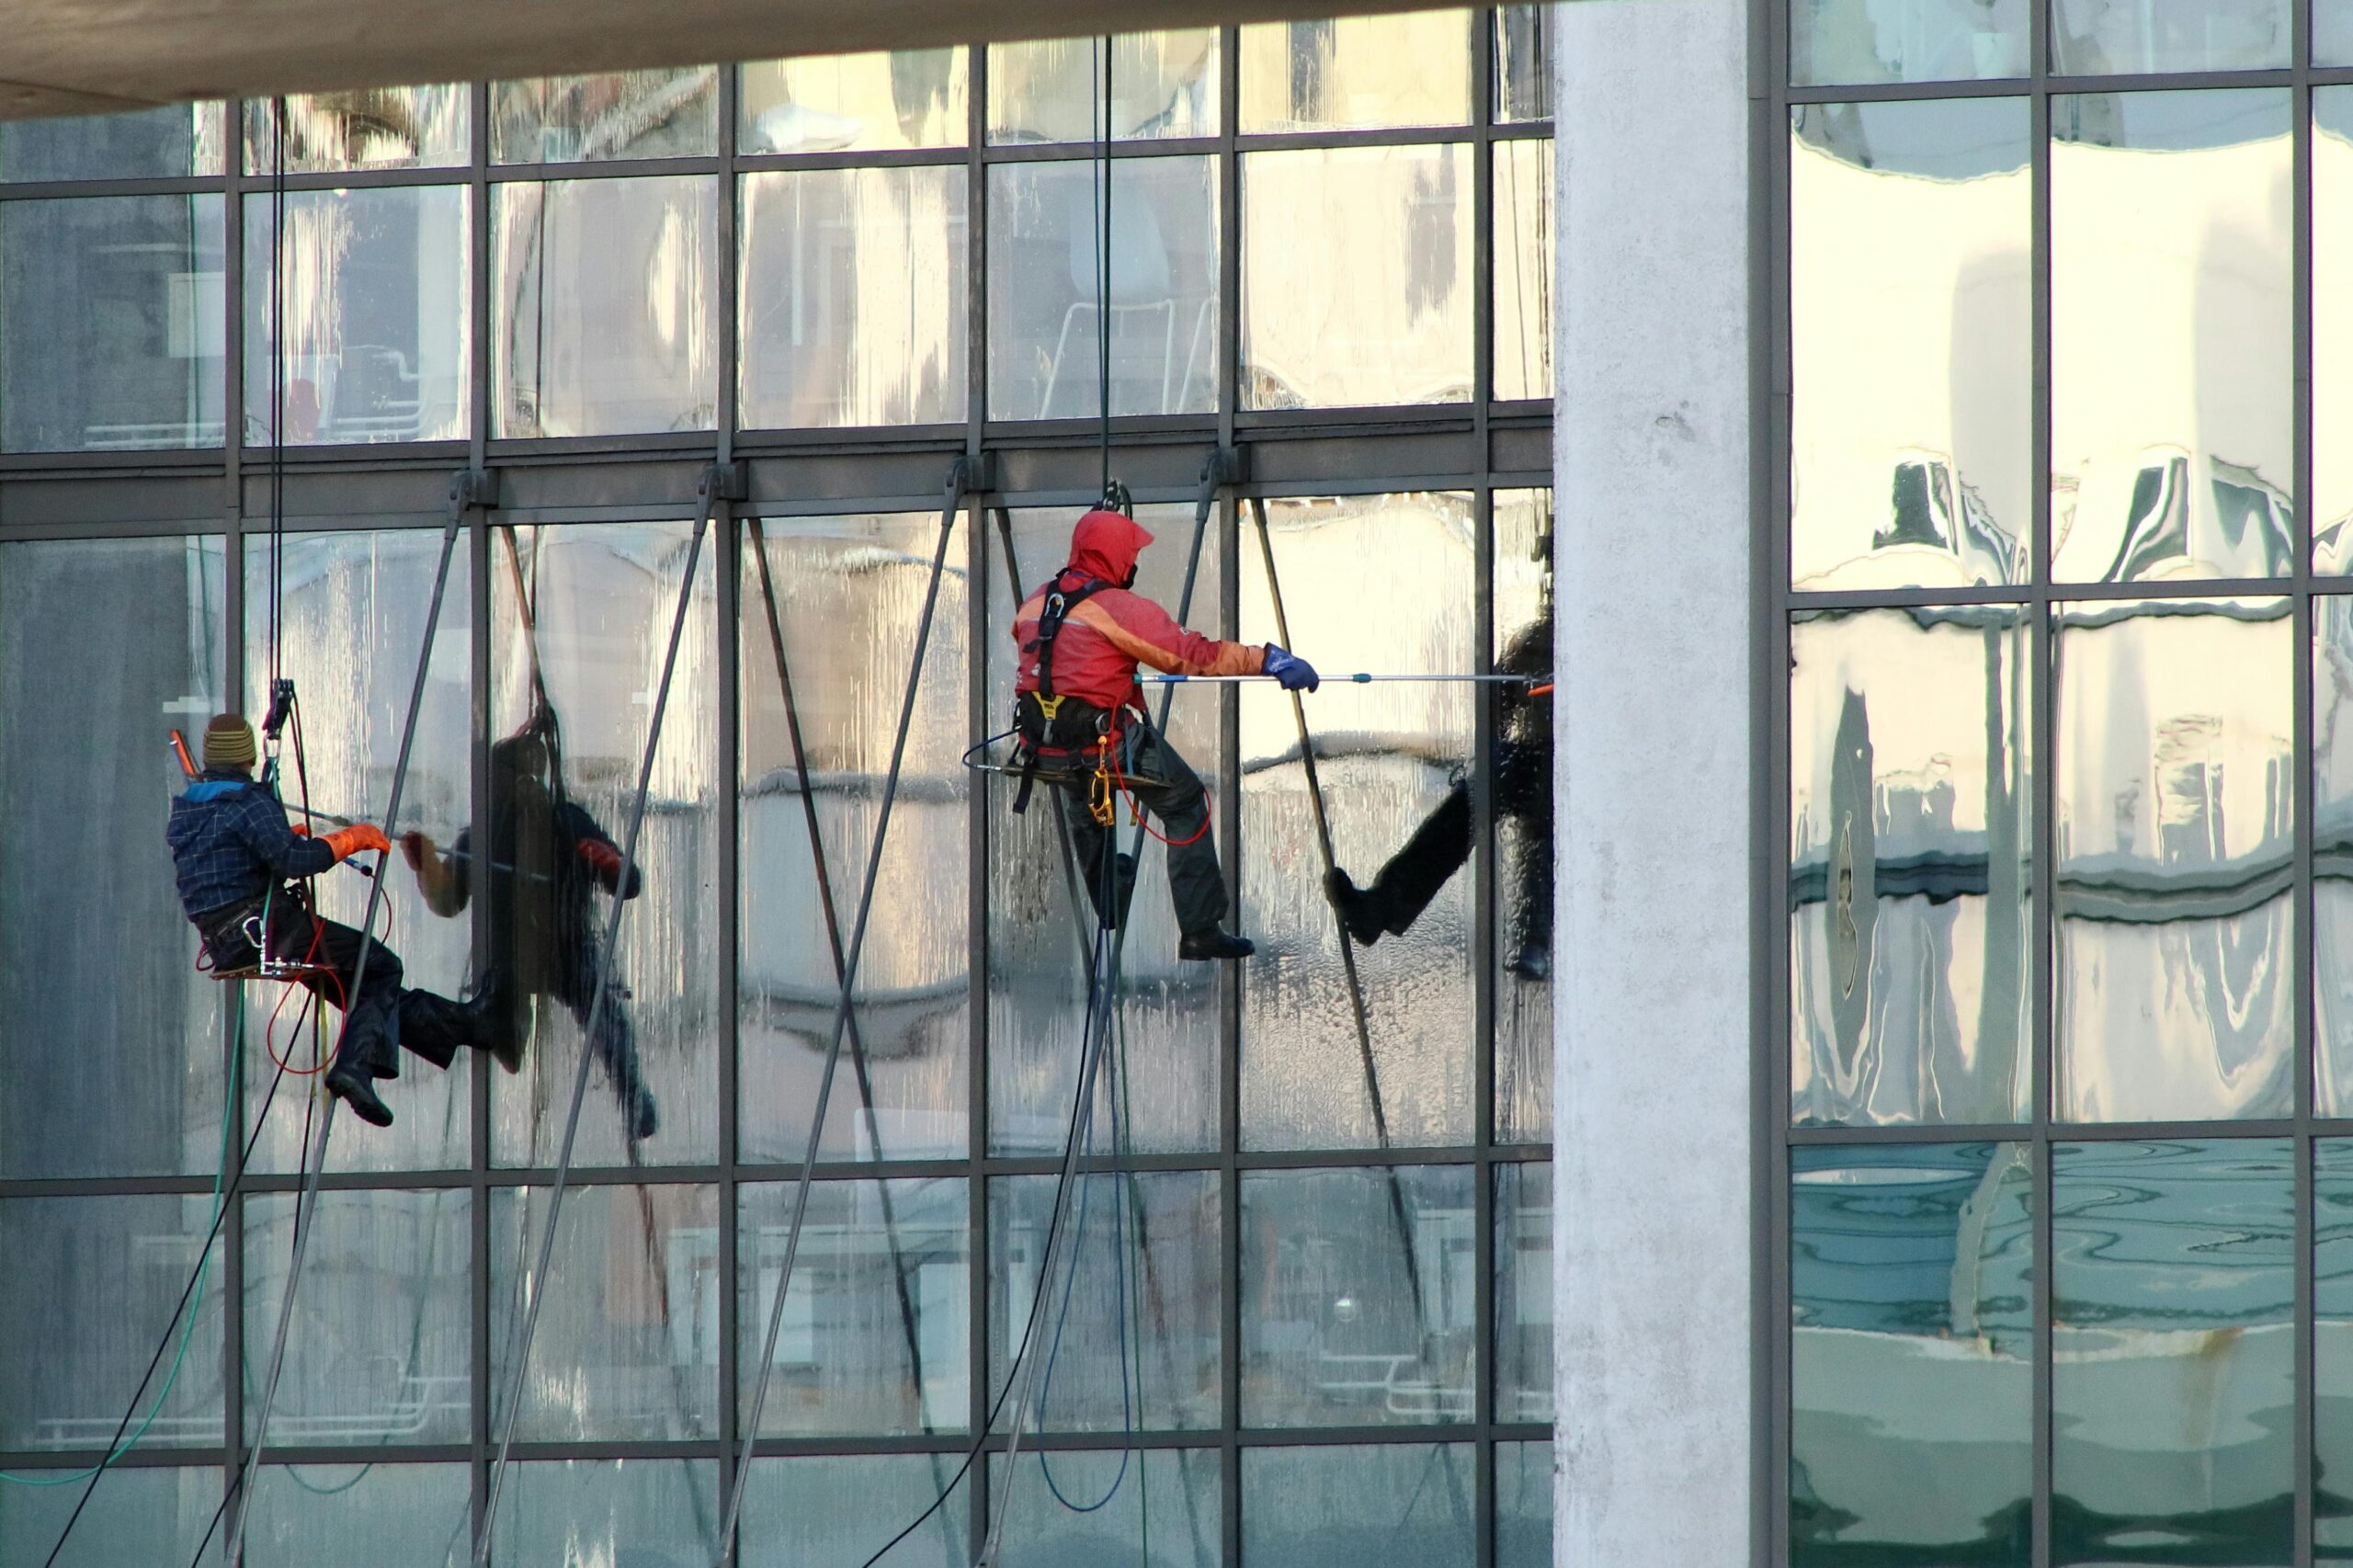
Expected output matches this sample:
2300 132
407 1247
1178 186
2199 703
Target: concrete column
1653 1216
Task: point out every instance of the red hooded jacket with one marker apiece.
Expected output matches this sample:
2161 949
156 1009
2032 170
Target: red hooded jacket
1113 630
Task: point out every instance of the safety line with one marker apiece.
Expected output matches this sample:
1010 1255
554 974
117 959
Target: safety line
521 1348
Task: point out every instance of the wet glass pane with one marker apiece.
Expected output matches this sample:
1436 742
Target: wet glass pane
2332 1345
1159 1506
113 336
1837 42
1524 256
364 127
1372 583
1129 1329
2332 766
1523 892
373 307
2098 38
574 685
2175 823
2332 319
1357 72
1523 63
1911 354
1401 1505
854 305
91 1285
627 1345
172 143
1355 277
603 322
150 1516
1911 849
2172 1387
382 1347
306 1514
855 103
2332 35
1045 287
901 1089
2170 310
1524 1292
623 1512
1043 928
111 1064
842 1509
351 621
1359 1298
668 113
875 1339
1163 84
1912 1357
1523 1504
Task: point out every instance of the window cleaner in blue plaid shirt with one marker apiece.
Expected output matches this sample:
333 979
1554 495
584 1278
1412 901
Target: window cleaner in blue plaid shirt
236 857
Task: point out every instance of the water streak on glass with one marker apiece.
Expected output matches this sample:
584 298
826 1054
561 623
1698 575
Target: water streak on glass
2332 765
1357 72
2174 810
111 1064
113 336
1370 583
604 321
1524 1293
308 1513
363 128
1524 893
1911 353
2331 1339
178 142
2101 38
913 991
2332 319
1159 1506
1046 316
1523 1506
1163 84
1911 1346
855 103
1401 1505
2171 308
1356 282
151 1515
1839 42
2173 1378
854 305
671 113
1524 253
842 1508
623 1512
1911 848
373 292
1524 45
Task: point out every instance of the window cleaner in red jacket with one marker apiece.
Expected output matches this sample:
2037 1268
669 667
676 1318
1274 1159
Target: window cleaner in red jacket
1079 711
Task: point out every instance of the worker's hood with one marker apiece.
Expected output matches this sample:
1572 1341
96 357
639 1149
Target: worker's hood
1105 544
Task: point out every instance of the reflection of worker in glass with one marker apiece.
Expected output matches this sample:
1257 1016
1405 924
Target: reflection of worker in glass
545 852
235 857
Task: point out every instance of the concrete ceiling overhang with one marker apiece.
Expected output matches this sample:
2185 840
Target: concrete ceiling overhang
103 56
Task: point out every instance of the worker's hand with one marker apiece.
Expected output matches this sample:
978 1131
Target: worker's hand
1290 671
300 830
357 839
603 856
416 849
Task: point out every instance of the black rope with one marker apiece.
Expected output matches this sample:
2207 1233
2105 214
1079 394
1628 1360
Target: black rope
1103 280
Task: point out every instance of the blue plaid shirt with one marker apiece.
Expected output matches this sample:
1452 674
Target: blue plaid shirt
230 842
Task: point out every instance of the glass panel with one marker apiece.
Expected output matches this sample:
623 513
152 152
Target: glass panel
1043 926
1156 1506
628 1339
1045 287
670 113
2095 38
1130 1328
1374 583
1908 41
1163 84
2332 34
1359 1298
1524 1292
1356 72
574 686
311 1514
2171 317
91 1286
382 1347
623 1512
151 1515
841 1509
2175 825
1401 1505
1524 257
375 316
1911 459
1911 851
2331 1344
2332 765
2173 1381
1523 893
1355 277
1523 63
351 623
1523 1506
855 103
604 322
875 1339
111 1064
906 1056
855 304
363 128
176 142
2332 318
1912 1354
112 336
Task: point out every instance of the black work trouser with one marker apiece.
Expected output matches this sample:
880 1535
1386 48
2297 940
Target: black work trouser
1165 786
1441 845
613 1041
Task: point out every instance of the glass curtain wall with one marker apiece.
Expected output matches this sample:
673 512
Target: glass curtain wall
841 275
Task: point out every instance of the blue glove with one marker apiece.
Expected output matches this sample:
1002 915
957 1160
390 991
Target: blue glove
1290 671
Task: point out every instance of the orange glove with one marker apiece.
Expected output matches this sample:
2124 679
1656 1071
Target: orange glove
357 839
300 830
603 856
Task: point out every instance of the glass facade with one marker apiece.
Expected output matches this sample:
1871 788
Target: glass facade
1306 1266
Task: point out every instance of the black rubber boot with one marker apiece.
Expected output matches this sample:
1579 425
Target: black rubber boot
1362 913
352 1084
490 1026
1214 943
641 1118
1533 961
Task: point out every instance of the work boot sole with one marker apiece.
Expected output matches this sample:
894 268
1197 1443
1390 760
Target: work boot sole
353 1088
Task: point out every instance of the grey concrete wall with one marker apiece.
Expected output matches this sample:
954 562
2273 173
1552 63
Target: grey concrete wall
1652 1195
